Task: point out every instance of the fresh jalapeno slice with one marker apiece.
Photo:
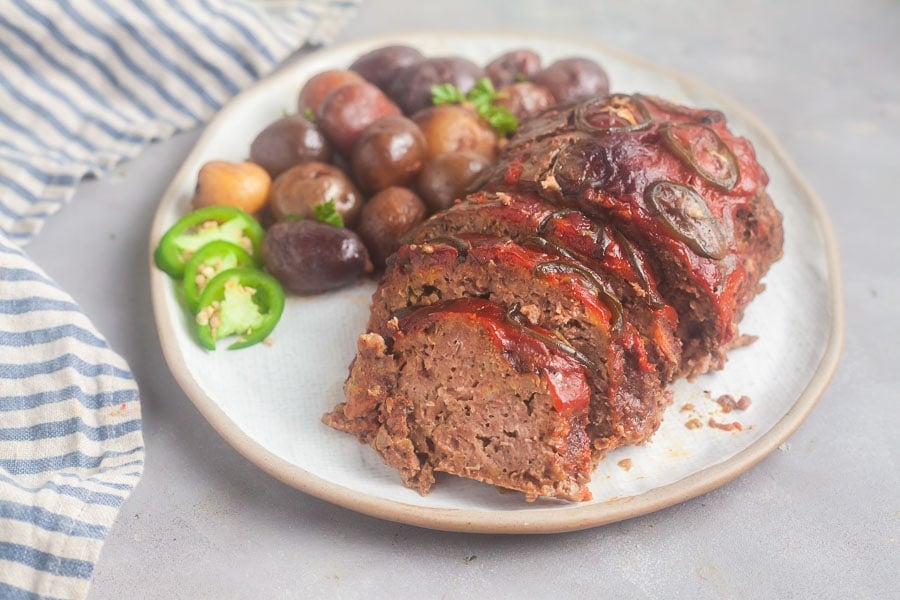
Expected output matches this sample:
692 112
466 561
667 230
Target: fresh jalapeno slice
685 213
209 261
238 302
195 230
703 150
618 113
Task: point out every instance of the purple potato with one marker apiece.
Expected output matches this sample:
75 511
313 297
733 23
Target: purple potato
382 65
411 89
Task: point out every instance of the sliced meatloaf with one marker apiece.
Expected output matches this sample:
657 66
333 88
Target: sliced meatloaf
533 222
678 184
543 288
459 388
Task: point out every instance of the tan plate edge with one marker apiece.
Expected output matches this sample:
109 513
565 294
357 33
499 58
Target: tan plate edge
549 521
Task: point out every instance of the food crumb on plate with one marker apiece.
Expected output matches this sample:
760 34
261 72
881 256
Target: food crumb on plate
694 424
728 403
625 464
733 426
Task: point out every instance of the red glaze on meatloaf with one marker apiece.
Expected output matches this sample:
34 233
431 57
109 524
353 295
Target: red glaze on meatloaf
545 289
459 388
533 222
678 184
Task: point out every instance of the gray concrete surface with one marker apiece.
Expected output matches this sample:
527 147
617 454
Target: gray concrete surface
818 519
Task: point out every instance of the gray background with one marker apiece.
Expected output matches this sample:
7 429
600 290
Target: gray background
818 519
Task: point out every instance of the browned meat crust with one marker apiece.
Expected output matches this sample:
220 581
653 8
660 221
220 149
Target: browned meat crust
678 184
530 221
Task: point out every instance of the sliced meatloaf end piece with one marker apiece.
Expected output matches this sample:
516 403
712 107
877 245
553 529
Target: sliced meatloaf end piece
544 289
677 183
533 222
465 391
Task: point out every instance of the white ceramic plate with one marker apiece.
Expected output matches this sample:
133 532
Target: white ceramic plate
267 401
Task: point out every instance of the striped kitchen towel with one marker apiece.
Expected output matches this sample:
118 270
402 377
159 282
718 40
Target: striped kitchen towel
85 84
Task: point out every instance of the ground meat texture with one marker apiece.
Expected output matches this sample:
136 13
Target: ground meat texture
622 234
628 393
457 389
531 221
678 184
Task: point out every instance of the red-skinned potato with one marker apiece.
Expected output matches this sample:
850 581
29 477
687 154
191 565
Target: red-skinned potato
386 218
294 193
287 142
524 99
349 109
513 66
449 176
320 85
388 152
571 79
381 66
453 128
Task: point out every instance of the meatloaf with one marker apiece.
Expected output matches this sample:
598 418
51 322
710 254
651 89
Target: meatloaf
545 289
457 387
533 222
676 183
535 325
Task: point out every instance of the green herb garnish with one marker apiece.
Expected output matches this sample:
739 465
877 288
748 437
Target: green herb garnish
446 93
308 113
327 213
482 97
503 121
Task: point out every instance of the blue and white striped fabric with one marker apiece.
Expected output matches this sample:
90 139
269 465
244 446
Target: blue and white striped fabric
85 84
70 435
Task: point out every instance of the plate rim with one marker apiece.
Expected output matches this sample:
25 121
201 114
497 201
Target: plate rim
571 518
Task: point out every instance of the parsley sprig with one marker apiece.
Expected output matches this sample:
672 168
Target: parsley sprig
482 97
327 213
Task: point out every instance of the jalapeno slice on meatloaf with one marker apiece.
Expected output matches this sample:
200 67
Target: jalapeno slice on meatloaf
533 222
460 388
678 184
543 288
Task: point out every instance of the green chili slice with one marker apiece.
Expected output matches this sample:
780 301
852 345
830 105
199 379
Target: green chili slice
241 302
606 295
209 261
685 214
703 150
557 341
618 113
195 230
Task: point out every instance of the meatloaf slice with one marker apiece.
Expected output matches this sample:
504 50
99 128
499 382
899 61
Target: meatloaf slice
461 389
676 182
544 289
533 222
